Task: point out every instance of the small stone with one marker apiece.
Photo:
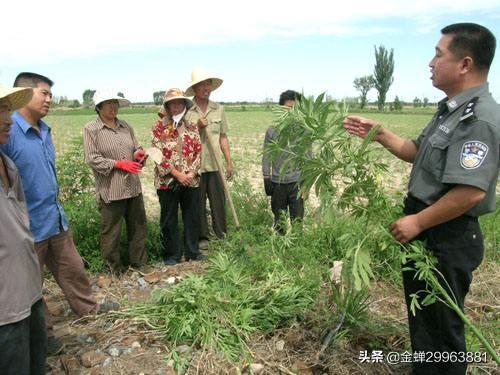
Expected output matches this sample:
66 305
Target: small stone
184 349
114 351
103 281
128 351
85 339
95 288
56 308
129 340
280 345
143 284
336 272
136 344
154 277
171 280
92 358
107 362
70 364
256 368
301 368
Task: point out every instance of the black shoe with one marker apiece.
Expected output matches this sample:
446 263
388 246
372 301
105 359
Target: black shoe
54 346
170 262
197 257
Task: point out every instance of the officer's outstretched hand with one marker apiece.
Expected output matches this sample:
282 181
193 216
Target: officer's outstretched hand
360 126
406 228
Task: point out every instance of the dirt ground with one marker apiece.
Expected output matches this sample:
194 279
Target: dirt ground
108 344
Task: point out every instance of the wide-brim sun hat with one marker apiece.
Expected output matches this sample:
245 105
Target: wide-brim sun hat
18 97
199 75
173 94
101 96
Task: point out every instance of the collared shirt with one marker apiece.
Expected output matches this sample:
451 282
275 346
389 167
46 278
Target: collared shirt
20 281
34 155
460 146
181 149
103 146
217 125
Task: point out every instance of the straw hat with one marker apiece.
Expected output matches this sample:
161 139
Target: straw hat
173 94
17 96
199 75
105 95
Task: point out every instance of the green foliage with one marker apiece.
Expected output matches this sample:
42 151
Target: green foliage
158 97
398 106
363 85
224 307
382 73
88 96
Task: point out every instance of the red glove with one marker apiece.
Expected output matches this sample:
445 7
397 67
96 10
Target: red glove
128 166
139 155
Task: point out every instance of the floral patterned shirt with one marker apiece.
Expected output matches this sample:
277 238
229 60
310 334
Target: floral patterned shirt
181 149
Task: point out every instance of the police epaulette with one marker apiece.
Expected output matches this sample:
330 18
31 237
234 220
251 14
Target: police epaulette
468 113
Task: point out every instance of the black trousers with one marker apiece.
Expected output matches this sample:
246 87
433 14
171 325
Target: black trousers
23 345
211 187
286 197
458 246
170 200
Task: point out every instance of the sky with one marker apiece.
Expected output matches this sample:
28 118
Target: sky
259 48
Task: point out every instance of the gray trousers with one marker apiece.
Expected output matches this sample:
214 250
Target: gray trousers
112 214
211 187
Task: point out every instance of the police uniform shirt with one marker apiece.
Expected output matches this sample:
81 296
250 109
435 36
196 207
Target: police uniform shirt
460 146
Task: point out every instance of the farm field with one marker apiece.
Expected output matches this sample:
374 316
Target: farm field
293 347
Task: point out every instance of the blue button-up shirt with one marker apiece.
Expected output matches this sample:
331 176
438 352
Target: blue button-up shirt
34 155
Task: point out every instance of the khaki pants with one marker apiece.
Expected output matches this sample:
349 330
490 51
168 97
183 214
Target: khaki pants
211 187
60 256
112 215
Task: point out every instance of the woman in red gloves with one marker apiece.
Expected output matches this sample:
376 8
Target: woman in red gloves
113 153
177 177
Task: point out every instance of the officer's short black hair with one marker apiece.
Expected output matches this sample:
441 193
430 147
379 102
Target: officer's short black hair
289 95
28 79
471 39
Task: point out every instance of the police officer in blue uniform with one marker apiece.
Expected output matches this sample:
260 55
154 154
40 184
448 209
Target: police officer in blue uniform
452 182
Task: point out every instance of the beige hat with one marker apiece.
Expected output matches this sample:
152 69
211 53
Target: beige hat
17 96
173 94
199 75
105 95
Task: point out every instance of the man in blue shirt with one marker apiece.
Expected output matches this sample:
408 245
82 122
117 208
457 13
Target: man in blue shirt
30 147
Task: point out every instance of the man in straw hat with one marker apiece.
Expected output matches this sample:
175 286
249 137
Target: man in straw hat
23 338
211 119
30 147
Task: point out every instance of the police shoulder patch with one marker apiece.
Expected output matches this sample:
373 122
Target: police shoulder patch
473 154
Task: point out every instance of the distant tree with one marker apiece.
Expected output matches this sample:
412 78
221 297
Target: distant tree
120 94
417 102
426 102
158 97
268 102
398 106
382 73
363 85
88 95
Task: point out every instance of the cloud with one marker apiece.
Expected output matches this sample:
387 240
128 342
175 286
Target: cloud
49 32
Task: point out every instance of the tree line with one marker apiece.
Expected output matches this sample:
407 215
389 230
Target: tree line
381 80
